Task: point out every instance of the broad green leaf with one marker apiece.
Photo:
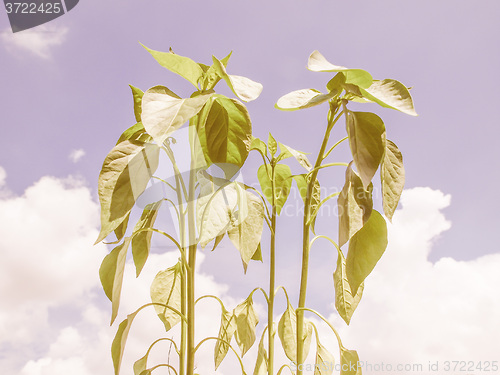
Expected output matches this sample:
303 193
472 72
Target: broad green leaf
258 145
365 249
124 176
226 332
163 112
273 146
367 141
318 63
287 151
137 94
390 93
135 133
166 289
261 364
225 131
122 228
336 83
354 205
141 242
118 345
247 234
211 77
301 99
141 364
287 332
244 88
349 362
325 361
283 183
111 275
344 301
392 176
246 321
183 66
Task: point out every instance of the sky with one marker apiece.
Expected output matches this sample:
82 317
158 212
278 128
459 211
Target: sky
65 100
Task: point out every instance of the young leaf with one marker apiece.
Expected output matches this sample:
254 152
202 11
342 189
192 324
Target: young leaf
226 332
124 176
183 66
354 205
390 93
141 242
258 145
246 321
261 364
287 151
273 146
163 112
211 77
349 362
287 332
283 183
135 133
392 176
301 99
365 249
137 94
118 345
247 234
325 361
111 275
344 301
366 133
166 289
318 63
244 88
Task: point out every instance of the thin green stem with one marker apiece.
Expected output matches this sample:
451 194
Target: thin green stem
334 147
228 344
272 277
326 321
328 165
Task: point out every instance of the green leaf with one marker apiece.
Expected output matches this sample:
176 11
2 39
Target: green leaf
287 151
211 77
124 176
301 99
261 364
141 364
390 93
246 235
318 63
287 332
244 88
183 66
349 362
226 332
367 141
258 145
141 242
257 256
135 133
354 205
111 275
246 321
365 249
315 198
122 228
137 95
392 176
166 290
273 146
325 361
283 183
225 131
118 345
163 112
344 301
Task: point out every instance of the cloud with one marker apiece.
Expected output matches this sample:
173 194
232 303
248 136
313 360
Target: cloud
76 155
38 41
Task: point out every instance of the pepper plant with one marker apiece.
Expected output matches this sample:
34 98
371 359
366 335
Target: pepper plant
208 207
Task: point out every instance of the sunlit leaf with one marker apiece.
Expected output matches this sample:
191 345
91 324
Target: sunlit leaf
118 345
301 99
135 133
137 94
392 94
258 145
365 249
163 112
226 332
166 290
367 141
325 362
122 228
272 144
283 183
211 77
392 175
287 151
287 332
141 242
349 362
141 364
246 321
261 364
257 256
315 197
318 63
345 303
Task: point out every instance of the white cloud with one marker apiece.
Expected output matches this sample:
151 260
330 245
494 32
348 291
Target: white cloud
3 177
76 155
38 41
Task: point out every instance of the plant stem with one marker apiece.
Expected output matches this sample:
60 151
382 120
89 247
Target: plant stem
272 276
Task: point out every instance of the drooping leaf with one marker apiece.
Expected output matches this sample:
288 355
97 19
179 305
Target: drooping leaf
246 321
366 133
345 303
283 183
124 176
244 88
118 345
135 133
183 66
287 151
122 228
111 275
349 362
318 63
257 256
390 93
141 242
365 249
261 364
141 364
287 332
137 94
354 205
272 144
315 197
226 332
301 99
246 235
166 290
325 362
392 175
163 112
